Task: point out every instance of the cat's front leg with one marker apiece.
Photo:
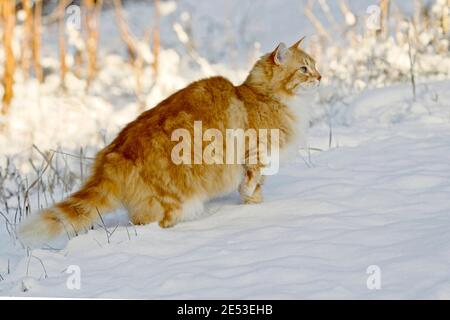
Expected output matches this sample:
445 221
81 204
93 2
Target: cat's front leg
251 187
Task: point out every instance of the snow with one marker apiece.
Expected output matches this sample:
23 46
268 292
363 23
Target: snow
380 198
373 190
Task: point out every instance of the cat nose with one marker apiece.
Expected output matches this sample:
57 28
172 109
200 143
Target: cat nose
319 77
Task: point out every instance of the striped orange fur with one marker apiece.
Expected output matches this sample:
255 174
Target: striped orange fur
136 171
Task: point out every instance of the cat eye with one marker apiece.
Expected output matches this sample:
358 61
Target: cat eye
304 69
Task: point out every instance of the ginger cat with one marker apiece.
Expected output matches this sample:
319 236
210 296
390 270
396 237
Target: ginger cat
136 170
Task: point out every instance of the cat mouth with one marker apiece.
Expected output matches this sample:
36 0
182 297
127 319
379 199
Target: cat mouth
308 87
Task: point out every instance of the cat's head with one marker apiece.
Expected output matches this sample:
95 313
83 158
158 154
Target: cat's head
287 71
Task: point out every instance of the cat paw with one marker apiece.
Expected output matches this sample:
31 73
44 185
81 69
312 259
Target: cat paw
247 190
252 201
255 199
167 223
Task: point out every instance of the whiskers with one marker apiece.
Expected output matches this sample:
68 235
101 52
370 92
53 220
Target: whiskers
308 87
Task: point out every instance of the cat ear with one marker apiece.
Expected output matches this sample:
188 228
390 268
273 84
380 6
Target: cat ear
298 43
279 54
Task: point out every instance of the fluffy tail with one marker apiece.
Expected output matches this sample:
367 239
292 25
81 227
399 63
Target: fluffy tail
98 196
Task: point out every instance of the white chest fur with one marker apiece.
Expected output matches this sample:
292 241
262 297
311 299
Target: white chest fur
300 107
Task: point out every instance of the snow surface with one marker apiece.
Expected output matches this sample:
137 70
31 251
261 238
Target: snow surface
380 198
372 191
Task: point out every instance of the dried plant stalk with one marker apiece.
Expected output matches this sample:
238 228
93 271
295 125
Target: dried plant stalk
25 58
92 23
36 42
384 18
137 60
315 21
7 13
446 18
156 42
62 42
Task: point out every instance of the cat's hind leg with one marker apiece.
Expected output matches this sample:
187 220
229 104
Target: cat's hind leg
183 210
146 211
167 214
152 207
172 214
